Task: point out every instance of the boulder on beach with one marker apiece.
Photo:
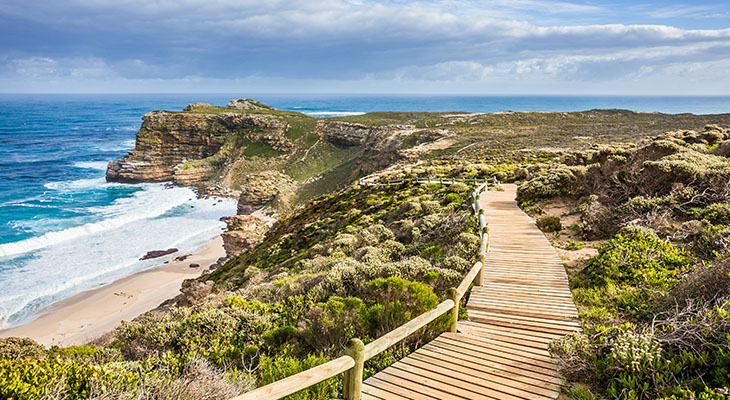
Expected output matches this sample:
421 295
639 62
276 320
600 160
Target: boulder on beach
158 253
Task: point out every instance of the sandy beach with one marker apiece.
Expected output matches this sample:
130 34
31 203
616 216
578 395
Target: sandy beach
90 314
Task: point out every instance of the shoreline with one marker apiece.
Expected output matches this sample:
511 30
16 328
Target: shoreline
90 314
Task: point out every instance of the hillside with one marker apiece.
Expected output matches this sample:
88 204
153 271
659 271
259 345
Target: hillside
281 158
636 203
651 278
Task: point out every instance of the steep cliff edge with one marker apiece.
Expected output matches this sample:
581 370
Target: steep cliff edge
168 139
280 158
273 158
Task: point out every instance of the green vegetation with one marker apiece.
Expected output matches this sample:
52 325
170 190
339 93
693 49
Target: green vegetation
655 300
549 223
346 261
357 263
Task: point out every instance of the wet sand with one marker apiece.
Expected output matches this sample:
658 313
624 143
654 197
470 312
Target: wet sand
89 315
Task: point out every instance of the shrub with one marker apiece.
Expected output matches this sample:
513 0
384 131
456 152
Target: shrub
34 379
549 223
717 213
573 245
430 206
704 239
458 187
639 258
453 198
14 348
274 369
553 182
333 323
397 301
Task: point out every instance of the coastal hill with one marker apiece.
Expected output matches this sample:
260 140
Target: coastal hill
281 158
636 204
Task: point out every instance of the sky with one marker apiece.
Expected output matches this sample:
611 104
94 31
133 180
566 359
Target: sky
642 47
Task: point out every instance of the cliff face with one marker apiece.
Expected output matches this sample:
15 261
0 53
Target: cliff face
272 158
381 145
166 140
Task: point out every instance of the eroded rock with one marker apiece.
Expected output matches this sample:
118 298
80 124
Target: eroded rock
244 232
158 253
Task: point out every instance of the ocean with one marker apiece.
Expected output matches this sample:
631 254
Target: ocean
64 229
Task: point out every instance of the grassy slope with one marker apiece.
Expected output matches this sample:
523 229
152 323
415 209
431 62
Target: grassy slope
356 263
292 301
655 299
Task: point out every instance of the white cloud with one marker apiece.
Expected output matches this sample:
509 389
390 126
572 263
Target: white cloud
488 43
447 71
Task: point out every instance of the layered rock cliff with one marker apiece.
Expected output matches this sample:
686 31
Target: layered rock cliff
167 140
272 158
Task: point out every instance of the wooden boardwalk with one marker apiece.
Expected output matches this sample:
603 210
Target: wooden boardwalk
501 351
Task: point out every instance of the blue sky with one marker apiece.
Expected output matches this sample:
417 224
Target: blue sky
360 46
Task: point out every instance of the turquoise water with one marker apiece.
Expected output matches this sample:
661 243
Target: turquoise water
63 229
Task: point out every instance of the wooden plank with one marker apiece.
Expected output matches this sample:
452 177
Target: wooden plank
491 366
418 384
533 320
498 375
373 391
508 337
461 387
471 380
500 346
488 351
519 348
377 382
506 362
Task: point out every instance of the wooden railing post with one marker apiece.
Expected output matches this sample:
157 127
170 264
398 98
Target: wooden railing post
352 380
479 280
454 311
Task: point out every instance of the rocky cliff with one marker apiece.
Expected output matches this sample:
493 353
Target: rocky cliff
167 140
271 157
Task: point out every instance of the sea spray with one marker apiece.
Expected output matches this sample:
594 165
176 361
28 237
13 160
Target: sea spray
76 259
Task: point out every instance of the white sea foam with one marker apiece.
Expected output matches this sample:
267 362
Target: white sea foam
77 184
97 165
152 202
125 145
153 218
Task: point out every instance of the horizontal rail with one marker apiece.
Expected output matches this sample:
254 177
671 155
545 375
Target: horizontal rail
347 364
468 279
300 381
380 344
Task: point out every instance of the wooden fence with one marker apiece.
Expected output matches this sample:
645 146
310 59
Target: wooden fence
356 353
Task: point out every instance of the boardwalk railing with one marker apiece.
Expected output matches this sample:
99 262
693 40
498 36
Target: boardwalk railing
356 353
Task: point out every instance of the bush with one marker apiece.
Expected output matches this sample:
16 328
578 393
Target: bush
397 301
274 369
549 223
452 198
573 245
639 258
553 182
717 213
704 239
333 323
15 348
34 379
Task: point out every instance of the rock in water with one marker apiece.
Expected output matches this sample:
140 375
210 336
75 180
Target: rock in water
158 253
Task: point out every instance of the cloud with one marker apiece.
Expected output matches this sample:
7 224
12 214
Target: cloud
487 42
